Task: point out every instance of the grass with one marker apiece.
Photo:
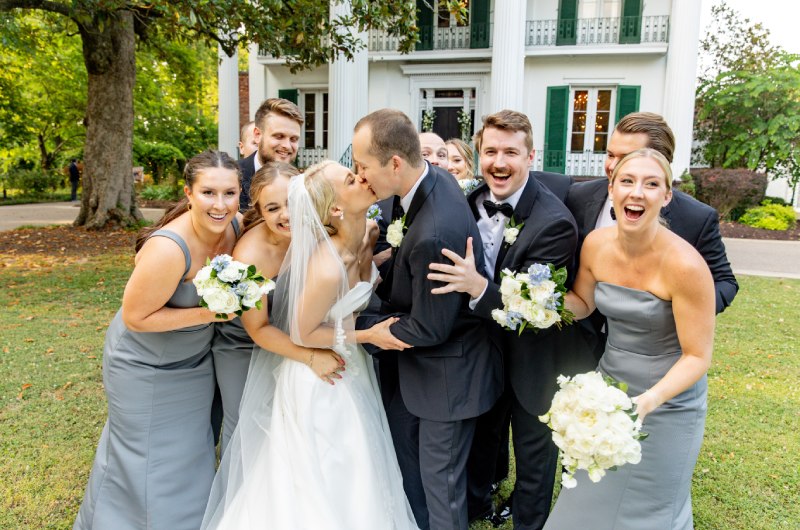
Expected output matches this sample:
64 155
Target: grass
52 405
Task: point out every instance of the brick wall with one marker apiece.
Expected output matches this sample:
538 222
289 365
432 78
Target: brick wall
244 99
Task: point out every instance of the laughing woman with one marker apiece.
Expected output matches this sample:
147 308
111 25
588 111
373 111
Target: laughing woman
658 296
155 460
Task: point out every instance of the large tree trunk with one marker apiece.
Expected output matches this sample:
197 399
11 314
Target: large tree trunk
109 55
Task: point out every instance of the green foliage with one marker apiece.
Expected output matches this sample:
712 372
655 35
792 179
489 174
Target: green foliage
159 192
770 216
729 191
748 100
31 182
159 159
687 185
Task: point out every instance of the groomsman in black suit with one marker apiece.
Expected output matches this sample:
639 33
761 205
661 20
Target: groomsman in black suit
511 196
691 219
453 372
278 123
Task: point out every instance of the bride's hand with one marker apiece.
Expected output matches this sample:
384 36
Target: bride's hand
326 364
381 336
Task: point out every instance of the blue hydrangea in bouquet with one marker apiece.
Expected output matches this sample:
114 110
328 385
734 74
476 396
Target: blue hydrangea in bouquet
228 286
533 299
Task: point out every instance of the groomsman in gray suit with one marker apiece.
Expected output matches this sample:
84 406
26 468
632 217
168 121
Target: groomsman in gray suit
434 390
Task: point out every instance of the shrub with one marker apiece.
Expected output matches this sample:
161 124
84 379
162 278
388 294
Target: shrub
770 216
729 191
685 184
774 200
159 192
32 182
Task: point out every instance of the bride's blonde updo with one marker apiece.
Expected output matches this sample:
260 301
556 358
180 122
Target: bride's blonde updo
321 191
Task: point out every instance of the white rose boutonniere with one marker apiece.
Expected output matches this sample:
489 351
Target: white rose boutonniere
395 232
511 231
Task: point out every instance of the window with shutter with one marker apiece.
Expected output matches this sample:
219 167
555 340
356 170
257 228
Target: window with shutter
567 22
631 24
425 24
555 129
479 24
292 94
627 100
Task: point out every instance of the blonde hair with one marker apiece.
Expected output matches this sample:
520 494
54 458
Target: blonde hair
321 191
466 153
647 152
265 176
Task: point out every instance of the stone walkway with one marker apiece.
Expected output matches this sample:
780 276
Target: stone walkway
51 213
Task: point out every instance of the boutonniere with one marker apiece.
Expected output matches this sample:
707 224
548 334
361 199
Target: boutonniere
375 213
395 232
511 231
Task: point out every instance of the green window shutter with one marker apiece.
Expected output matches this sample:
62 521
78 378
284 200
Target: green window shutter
425 24
479 24
292 94
555 129
627 100
567 22
630 31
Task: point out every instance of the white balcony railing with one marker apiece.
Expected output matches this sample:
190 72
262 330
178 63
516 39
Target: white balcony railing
309 156
452 38
593 31
586 164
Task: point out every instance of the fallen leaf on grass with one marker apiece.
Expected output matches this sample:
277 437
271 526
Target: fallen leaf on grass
28 340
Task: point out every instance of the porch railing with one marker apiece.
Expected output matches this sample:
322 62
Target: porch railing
596 31
310 156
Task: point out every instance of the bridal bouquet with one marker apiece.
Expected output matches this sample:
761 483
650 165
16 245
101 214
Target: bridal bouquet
469 185
594 426
229 286
533 299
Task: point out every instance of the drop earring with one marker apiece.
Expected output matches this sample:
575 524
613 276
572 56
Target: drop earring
341 215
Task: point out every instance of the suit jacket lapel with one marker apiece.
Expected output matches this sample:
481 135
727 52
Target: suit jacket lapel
472 199
424 189
521 213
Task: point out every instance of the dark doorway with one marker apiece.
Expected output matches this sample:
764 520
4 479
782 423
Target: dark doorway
445 124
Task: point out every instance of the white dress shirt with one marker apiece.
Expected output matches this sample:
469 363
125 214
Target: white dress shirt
491 229
604 219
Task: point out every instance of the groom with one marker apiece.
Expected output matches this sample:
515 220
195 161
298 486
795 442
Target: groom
453 373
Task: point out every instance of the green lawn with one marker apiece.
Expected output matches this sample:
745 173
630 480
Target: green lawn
53 407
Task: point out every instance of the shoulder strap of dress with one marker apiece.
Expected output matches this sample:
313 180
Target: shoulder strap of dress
169 234
236 228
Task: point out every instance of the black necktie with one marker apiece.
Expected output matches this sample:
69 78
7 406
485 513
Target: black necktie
397 209
493 207
613 214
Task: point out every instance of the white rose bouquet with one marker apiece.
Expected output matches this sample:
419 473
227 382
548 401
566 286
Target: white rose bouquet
594 425
229 286
469 185
533 299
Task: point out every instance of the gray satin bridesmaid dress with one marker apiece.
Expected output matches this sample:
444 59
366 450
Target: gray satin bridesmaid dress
656 493
232 348
155 460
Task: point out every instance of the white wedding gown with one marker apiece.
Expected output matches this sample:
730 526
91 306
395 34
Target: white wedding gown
324 458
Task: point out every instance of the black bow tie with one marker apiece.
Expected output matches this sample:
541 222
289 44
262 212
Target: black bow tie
397 209
493 207
613 214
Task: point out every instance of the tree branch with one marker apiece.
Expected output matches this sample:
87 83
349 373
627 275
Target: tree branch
44 5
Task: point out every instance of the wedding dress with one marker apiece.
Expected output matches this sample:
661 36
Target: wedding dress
307 454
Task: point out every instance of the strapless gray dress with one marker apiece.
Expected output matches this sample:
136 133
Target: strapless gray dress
232 349
656 493
155 460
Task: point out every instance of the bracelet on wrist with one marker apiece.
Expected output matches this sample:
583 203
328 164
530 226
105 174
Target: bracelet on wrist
311 360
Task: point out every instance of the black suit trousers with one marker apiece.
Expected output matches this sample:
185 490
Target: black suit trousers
433 460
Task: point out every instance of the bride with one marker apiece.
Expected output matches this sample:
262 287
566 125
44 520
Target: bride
308 454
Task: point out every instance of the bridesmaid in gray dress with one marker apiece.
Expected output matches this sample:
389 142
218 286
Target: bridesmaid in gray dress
155 460
264 244
658 296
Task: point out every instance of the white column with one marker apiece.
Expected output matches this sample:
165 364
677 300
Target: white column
508 56
680 79
257 80
361 93
228 85
347 93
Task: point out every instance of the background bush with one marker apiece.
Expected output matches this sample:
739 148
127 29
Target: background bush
729 191
770 216
32 182
159 192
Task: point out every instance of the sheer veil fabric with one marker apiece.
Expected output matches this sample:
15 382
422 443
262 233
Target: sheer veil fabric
306 454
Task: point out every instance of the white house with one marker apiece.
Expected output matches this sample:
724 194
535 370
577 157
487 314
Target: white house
573 66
